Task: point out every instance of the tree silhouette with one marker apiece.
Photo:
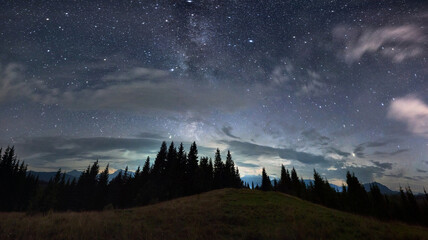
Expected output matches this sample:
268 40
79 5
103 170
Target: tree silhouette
266 184
218 170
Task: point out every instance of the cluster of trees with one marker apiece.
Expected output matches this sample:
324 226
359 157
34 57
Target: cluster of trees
353 197
173 174
16 187
177 173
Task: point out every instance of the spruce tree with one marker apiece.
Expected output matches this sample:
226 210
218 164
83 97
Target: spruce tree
192 169
295 183
160 161
266 184
218 171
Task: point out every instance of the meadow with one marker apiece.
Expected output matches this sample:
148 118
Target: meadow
218 214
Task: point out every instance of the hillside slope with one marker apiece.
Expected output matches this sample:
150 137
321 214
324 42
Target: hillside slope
220 214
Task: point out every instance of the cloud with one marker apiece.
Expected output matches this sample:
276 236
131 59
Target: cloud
13 85
382 165
164 96
137 90
254 150
228 131
378 153
396 42
247 165
315 137
421 171
359 150
151 135
54 148
339 152
413 112
137 73
301 82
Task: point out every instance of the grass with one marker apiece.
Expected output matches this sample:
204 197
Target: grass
220 214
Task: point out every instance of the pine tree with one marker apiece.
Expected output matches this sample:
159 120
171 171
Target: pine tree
87 187
356 194
229 171
160 161
192 169
284 184
266 184
218 171
102 189
172 172
295 183
204 175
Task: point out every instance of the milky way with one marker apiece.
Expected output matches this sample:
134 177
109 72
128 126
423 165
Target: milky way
326 85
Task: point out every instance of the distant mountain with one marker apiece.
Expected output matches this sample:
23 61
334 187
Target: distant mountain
113 175
335 187
75 173
46 176
257 180
383 189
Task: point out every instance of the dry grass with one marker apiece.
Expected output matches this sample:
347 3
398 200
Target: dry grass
221 214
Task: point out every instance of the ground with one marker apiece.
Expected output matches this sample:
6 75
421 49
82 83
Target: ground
220 214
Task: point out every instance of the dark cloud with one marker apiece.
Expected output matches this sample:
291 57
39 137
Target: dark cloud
151 135
382 165
359 150
337 151
228 131
378 153
314 136
247 165
421 171
254 150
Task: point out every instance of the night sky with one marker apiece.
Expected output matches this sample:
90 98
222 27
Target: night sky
325 85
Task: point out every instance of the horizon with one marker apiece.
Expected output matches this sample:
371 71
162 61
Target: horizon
334 87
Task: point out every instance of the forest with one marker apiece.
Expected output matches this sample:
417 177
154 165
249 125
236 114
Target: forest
176 173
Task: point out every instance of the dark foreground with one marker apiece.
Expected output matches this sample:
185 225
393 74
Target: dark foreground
220 214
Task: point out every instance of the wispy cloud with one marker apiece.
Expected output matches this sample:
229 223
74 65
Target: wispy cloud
137 90
228 131
359 150
396 42
301 82
382 165
413 112
255 150
13 84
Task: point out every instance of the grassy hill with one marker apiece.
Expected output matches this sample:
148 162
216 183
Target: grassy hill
220 214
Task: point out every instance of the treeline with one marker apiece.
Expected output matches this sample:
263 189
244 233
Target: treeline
173 174
353 198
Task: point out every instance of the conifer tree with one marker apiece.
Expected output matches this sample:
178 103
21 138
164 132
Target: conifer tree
295 183
191 169
266 184
172 172
160 161
102 189
218 170
284 184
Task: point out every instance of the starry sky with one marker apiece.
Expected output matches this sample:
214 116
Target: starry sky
326 85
